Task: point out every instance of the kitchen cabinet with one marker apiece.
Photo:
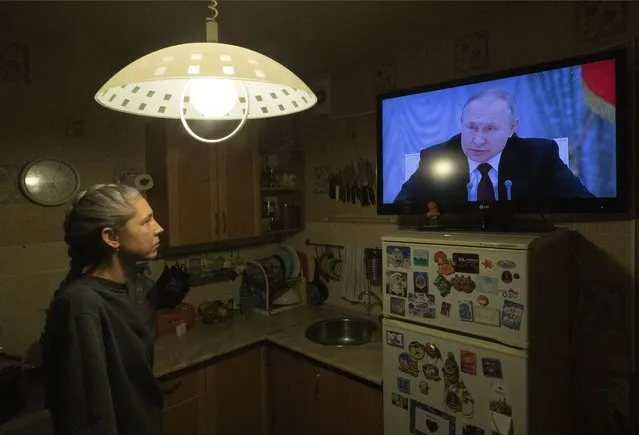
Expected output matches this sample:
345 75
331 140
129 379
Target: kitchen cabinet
185 403
308 398
237 393
203 193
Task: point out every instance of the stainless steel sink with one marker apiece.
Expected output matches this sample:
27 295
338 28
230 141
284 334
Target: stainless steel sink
342 332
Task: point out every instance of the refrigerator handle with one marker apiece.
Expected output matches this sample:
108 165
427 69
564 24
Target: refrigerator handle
317 376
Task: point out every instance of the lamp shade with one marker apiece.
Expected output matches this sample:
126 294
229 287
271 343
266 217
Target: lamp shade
154 84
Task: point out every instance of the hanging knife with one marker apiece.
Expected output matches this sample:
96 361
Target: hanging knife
370 175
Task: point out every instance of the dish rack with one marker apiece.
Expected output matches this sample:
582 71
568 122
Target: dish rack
268 291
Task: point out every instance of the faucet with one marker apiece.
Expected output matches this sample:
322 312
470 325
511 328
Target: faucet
369 293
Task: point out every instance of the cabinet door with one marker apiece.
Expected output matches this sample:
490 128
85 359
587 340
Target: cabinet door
237 394
184 418
348 406
293 394
239 186
193 193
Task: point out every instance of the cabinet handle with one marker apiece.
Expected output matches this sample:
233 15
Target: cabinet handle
217 224
317 376
223 222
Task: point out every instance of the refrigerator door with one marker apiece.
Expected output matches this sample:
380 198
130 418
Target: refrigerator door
468 289
438 383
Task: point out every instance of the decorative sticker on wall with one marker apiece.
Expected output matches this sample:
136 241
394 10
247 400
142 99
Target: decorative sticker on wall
443 285
487 316
396 283
444 264
464 284
423 387
420 282
445 309
420 257
398 257
471 52
512 314
416 350
421 305
395 339
398 306
488 265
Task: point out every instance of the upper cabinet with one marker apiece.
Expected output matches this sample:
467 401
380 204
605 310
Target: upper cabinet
203 193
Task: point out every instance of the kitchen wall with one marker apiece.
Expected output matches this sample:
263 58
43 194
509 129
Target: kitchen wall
517 34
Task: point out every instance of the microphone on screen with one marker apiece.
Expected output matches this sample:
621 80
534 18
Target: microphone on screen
509 185
469 188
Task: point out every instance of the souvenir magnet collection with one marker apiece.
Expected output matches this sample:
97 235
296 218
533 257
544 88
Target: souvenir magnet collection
395 339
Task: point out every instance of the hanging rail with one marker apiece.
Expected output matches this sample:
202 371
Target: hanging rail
323 245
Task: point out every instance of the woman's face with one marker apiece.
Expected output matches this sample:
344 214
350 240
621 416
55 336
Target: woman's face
140 236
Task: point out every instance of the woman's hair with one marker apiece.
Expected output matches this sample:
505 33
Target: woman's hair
98 207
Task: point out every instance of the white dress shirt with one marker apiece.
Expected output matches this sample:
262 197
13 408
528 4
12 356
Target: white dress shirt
475 176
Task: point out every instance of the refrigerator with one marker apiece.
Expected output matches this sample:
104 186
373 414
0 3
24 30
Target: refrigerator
476 333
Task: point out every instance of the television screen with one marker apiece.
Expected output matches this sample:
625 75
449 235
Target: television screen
548 138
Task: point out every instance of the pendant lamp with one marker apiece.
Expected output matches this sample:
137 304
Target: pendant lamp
206 81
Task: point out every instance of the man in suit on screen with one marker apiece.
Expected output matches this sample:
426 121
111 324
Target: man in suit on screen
488 162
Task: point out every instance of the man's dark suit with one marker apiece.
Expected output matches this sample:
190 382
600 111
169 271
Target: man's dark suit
532 165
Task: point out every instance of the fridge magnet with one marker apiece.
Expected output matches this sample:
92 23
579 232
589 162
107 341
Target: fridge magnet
511 315
487 316
433 351
398 257
420 282
423 387
463 283
488 264
416 350
469 429
427 420
511 293
491 367
466 311
466 263
487 284
444 265
431 372
506 264
507 277
398 306
395 339
403 385
445 310
443 285
421 305
482 300
408 365
516 275
468 362
420 257
399 400
396 283
500 414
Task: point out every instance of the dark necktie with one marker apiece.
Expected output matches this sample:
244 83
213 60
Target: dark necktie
485 190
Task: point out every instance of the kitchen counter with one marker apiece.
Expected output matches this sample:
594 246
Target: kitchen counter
286 329
205 342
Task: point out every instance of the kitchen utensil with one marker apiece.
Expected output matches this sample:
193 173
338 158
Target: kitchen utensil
373 265
370 178
364 181
316 290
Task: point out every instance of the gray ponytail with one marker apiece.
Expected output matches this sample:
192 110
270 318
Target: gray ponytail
98 207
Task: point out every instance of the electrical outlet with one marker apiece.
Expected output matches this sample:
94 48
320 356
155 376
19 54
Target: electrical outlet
618 400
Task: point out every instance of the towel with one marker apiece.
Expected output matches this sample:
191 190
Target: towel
353 280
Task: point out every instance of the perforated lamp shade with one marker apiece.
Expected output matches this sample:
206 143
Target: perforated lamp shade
154 84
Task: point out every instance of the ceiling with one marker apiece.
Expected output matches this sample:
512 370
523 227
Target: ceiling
302 35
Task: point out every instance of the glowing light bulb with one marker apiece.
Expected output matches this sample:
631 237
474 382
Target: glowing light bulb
213 97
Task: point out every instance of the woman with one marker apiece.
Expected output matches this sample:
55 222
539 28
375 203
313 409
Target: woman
97 353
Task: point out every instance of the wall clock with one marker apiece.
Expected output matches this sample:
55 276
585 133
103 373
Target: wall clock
49 181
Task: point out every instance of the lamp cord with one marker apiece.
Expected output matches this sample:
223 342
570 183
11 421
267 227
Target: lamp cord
214 11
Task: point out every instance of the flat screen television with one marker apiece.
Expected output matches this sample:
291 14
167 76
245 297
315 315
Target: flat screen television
551 138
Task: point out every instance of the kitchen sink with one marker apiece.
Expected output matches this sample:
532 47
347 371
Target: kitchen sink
342 332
